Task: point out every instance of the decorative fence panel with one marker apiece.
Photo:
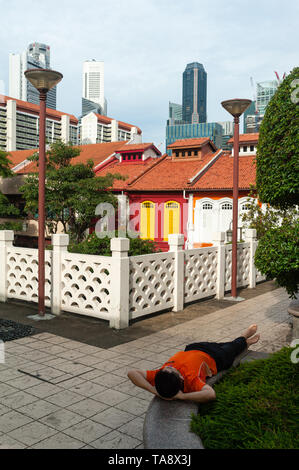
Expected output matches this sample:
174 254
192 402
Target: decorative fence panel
200 273
243 266
86 284
121 288
151 283
22 274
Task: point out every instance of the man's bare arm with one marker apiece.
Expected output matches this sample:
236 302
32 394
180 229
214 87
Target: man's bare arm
206 394
138 377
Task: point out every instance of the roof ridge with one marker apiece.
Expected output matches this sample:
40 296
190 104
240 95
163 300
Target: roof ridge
208 165
147 170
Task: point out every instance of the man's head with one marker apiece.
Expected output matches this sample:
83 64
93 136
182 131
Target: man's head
168 382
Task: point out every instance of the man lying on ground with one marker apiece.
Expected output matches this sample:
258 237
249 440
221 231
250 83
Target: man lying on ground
183 376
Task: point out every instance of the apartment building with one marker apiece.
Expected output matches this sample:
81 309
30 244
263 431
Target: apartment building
19 125
95 129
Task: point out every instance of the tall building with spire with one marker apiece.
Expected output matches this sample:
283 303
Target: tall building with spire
195 93
93 98
36 56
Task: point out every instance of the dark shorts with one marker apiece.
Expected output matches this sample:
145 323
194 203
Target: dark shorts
224 354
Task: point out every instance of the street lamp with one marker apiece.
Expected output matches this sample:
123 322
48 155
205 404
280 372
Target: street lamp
43 80
236 108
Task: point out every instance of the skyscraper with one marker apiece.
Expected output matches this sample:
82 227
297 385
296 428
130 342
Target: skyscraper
93 98
265 91
254 114
175 111
194 93
37 56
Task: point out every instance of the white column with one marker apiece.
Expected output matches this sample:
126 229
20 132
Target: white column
6 239
176 243
190 224
11 125
250 236
114 130
218 240
122 215
120 283
60 243
65 129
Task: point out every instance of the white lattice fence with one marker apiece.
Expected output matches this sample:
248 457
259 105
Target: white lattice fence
22 274
200 273
228 268
120 288
243 265
86 284
151 283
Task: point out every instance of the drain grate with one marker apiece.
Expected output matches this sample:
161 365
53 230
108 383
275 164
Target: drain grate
10 330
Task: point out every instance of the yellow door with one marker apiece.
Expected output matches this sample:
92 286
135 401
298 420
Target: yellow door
147 220
171 218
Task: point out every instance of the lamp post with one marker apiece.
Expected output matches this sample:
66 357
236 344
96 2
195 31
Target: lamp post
236 108
43 80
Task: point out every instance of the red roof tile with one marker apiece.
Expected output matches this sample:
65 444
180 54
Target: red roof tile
220 174
170 174
138 147
244 138
189 143
95 152
130 171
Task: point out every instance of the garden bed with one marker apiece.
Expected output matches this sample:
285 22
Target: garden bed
256 407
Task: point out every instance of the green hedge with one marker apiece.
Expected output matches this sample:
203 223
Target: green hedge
256 407
277 157
93 245
277 256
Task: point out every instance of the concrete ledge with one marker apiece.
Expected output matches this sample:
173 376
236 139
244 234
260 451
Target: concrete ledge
293 310
167 423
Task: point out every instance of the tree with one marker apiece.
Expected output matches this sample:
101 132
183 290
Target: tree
6 208
264 219
72 191
277 156
277 160
277 256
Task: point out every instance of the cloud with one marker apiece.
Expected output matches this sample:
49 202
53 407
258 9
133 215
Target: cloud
146 45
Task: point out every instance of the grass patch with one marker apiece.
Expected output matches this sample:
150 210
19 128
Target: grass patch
256 407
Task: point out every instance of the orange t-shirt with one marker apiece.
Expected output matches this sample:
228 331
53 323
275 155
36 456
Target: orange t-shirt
193 367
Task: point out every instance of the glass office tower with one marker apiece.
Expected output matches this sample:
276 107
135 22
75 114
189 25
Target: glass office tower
194 93
213 130
265 91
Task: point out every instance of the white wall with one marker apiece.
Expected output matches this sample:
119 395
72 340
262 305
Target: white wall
89 125
11 122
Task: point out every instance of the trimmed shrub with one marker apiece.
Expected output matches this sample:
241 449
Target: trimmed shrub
256 407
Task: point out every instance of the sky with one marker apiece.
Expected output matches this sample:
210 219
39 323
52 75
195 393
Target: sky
146 45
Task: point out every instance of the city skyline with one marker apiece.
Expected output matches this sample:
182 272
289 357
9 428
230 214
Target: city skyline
36 55
141 77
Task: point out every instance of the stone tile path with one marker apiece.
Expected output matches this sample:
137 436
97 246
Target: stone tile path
60 393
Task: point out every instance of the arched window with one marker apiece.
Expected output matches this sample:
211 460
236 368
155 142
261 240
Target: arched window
245 207
147 220
207 206
226 206
171 218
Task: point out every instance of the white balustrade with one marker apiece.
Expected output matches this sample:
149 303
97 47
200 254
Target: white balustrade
120 288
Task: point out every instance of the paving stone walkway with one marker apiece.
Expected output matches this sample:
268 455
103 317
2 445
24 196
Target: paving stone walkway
60 393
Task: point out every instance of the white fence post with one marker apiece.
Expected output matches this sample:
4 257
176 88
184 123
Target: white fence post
6 239
176 243
60 243
250 236
218 240
120 283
